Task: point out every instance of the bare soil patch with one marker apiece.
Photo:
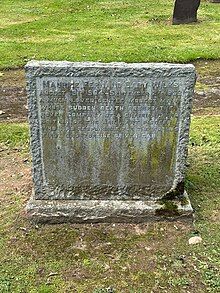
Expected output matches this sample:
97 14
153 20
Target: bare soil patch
15 173
13 97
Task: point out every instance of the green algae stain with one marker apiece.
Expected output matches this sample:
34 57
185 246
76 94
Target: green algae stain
134 154
169 209
163 150
153 159
106 146
156 149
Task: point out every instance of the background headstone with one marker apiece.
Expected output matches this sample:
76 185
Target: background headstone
185 11
106 135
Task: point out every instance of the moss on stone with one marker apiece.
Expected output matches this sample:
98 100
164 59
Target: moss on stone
169 209
184 201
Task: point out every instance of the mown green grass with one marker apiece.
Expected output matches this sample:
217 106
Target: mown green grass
153 257
14 135
119 30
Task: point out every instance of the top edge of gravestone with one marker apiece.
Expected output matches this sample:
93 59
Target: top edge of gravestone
34 64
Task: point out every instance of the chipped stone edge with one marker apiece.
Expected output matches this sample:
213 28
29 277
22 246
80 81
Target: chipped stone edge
104 211
69 69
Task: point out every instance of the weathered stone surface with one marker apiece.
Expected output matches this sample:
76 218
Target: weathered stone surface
185 11
108 211
109 132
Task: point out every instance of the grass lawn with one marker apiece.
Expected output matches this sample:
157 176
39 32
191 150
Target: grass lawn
117 30
151 257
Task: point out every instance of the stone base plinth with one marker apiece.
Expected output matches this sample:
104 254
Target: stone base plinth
109 211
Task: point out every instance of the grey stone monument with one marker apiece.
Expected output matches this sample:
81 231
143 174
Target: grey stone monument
108 141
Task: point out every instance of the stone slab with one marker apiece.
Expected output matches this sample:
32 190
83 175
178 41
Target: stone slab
112 131
107 211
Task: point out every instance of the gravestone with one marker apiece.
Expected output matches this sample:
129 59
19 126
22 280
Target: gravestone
108 141
185 11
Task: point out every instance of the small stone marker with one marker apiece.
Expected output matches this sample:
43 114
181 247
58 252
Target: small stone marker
185 11
108 141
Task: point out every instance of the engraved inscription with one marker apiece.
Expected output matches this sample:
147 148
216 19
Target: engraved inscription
108 137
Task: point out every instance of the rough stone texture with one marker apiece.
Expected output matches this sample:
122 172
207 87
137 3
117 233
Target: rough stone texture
185 11
107 133
108 211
